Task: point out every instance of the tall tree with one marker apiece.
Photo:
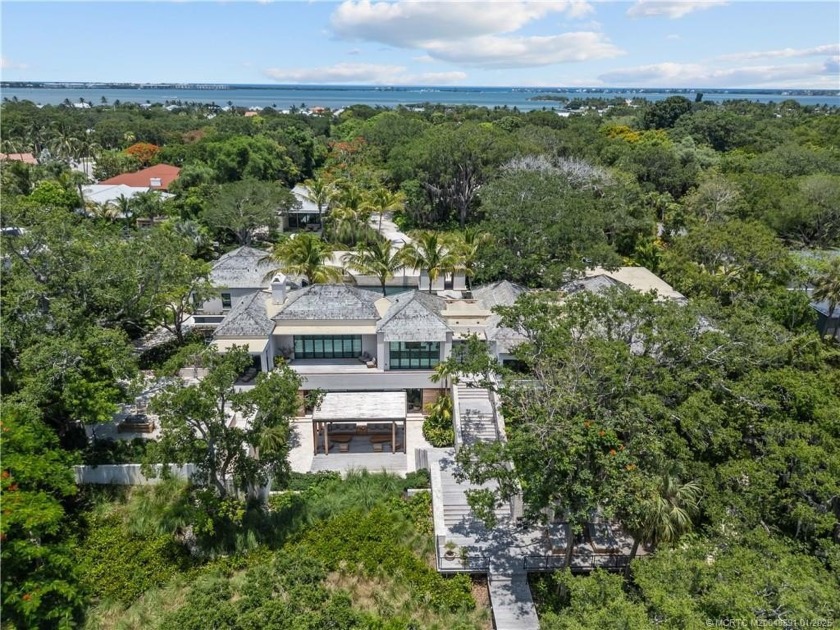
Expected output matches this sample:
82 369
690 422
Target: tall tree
383 200
375 258
196 427
39 588
306 255
664 516
242 208
320 192
432 253
469 244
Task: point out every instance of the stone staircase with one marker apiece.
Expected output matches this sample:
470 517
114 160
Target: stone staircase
477 422
456 510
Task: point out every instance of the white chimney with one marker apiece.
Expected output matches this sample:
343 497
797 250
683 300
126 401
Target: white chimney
278 289
154 182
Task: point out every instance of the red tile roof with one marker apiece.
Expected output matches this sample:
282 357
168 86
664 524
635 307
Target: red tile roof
156 177
28 158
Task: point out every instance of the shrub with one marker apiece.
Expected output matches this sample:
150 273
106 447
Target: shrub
115 452
437 427
115 564
370 541
417 479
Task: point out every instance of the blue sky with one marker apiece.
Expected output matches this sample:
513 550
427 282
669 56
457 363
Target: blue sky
644 43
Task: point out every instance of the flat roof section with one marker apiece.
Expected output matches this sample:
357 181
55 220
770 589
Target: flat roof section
361 407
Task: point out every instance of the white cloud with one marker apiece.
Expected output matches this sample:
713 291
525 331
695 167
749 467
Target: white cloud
673 36
805 75
512 52
362 73
480 33
673 9
353 51
827 49
8 64
413 23
423 59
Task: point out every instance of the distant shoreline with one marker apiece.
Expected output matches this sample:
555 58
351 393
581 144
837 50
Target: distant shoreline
72 85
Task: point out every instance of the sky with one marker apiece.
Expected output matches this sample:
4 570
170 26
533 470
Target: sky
638 43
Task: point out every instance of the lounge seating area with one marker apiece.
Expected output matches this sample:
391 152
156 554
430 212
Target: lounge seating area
136 423
362 438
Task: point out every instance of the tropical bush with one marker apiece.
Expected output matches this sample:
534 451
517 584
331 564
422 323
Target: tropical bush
437 427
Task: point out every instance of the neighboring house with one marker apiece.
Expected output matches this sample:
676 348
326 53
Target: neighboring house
827 323
304 213
637 278
236 275
26 158
109 194
157 177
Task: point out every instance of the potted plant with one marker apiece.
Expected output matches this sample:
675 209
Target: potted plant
450 547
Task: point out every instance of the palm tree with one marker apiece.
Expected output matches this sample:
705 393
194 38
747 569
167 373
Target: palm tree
666 515
320 192
123 205
827 288
467 245
431 253
375 258
306 255
351 199
383 200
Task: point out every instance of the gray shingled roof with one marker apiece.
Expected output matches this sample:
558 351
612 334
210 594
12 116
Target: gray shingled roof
501 293
329 301
242 268
247 319
414 316
594 284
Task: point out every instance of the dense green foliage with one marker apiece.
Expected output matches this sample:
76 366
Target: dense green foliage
734 392
345 553
437 426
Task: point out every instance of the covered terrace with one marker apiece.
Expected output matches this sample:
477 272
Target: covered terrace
372 419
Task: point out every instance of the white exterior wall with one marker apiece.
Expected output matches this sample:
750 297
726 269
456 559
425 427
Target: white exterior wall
369 345
214 304
126 474
267 356
438 285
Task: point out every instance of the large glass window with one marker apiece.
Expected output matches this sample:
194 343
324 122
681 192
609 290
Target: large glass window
414 355
328 346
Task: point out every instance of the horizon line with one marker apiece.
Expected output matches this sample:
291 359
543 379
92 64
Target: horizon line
410 86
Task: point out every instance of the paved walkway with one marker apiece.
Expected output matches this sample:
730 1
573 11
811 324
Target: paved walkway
513 607
390 230
500 551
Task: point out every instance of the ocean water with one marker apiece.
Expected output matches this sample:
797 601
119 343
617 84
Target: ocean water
284 97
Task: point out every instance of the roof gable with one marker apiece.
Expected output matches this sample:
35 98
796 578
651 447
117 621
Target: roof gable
242 268
247 319
414 316
157 177
330 302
